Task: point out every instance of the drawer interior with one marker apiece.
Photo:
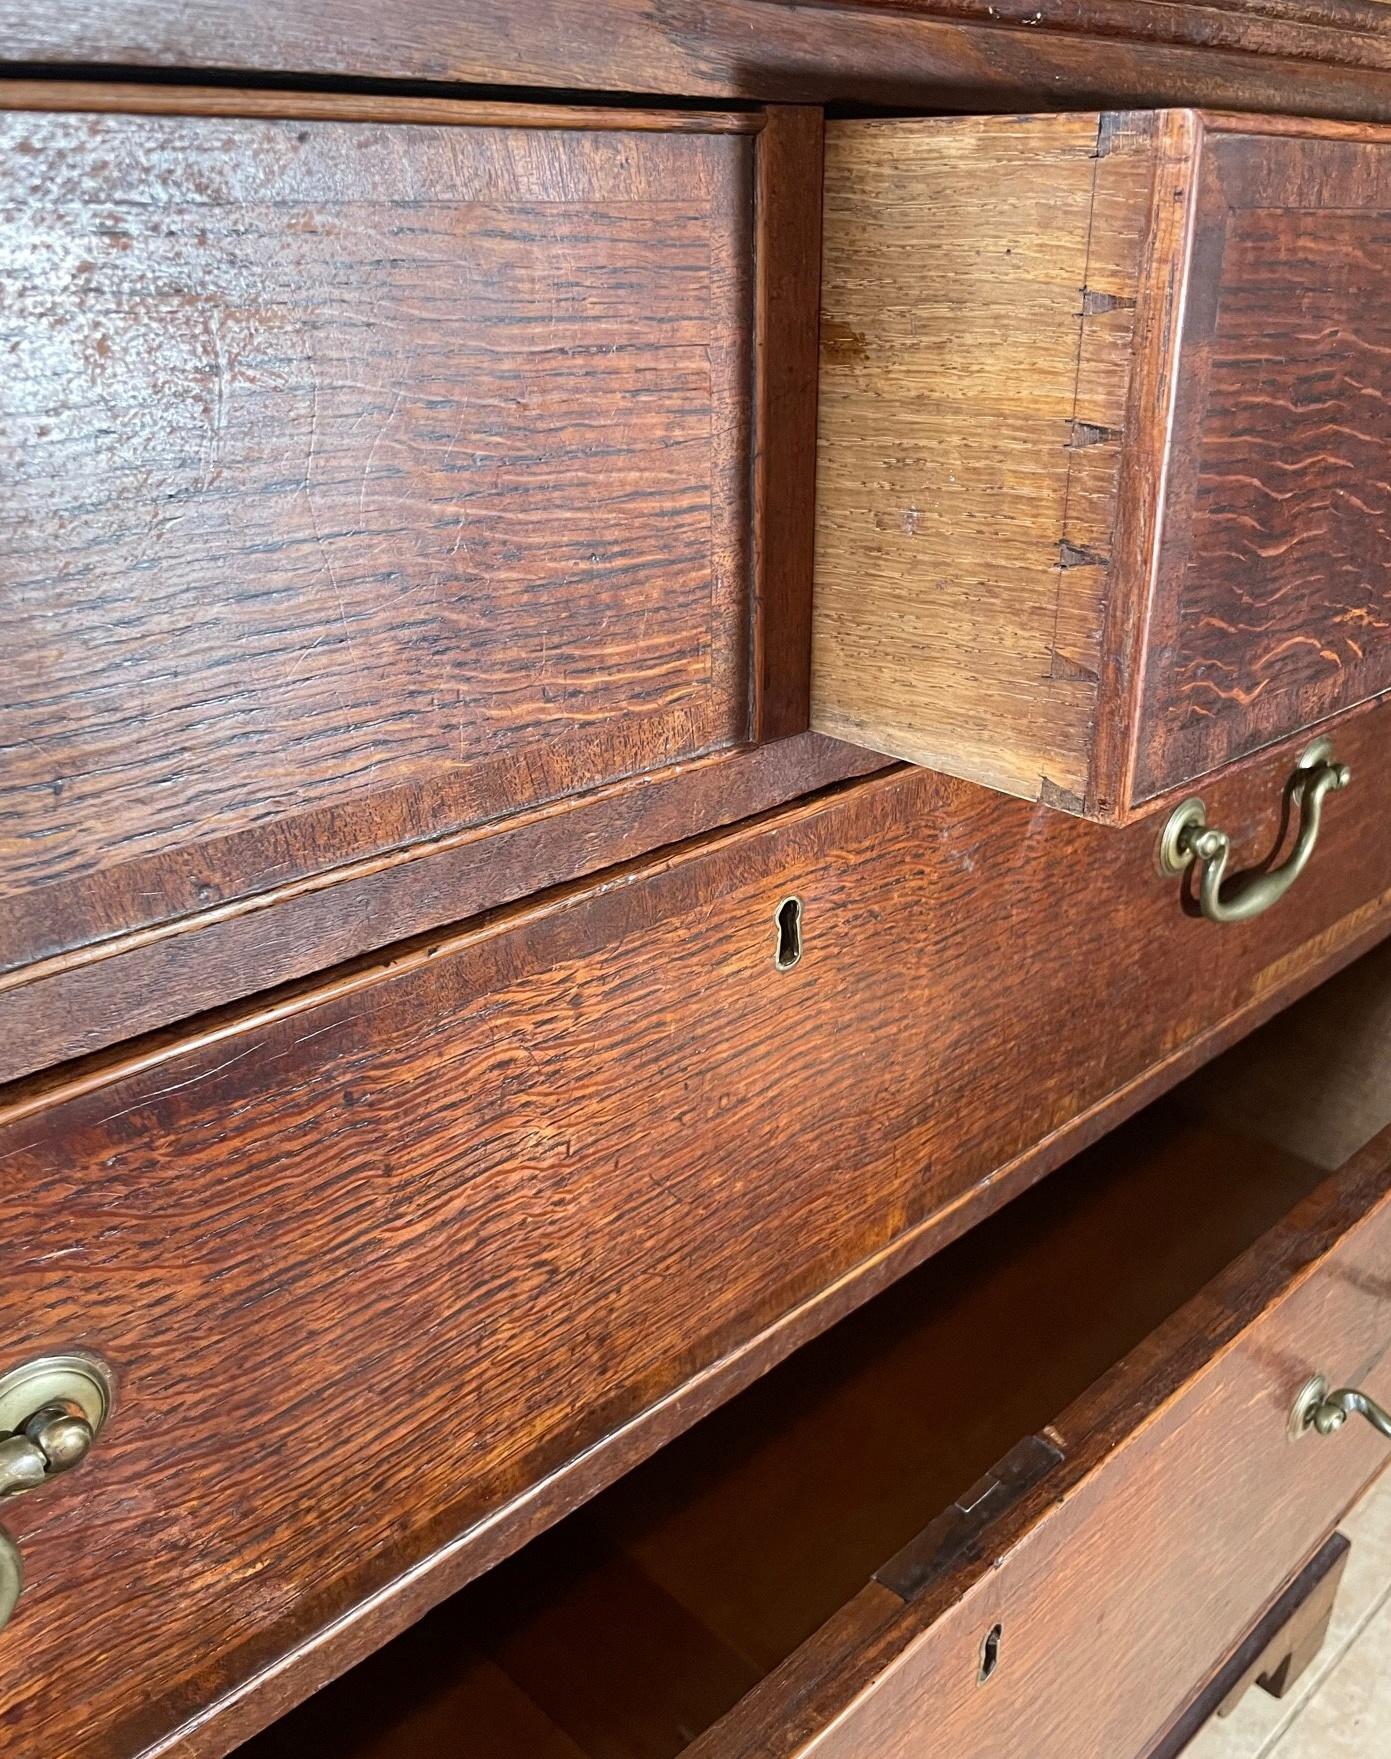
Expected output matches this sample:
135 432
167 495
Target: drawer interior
633 1626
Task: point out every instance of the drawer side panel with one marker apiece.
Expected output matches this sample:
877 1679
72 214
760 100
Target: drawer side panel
978 308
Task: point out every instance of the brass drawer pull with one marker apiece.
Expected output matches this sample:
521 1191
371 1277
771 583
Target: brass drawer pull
1188 837
51 1413
1326 1412
11 1577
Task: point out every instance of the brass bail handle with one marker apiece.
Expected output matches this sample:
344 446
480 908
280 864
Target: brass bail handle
51 1412
1188 837
1326 1412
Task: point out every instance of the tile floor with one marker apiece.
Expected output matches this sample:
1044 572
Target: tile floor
1341 1708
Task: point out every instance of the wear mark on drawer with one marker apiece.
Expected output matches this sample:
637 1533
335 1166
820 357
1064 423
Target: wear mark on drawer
959 1532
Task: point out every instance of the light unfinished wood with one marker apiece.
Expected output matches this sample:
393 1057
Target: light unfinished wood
1101 484
979 293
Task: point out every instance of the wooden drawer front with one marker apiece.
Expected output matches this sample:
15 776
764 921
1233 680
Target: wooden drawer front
831 1563
436 1247
365 480
1272 597
1101 491
1179 1508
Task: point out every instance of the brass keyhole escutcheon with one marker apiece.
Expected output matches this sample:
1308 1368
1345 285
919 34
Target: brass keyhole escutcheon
789 921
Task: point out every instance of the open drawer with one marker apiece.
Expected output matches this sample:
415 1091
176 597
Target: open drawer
1102 494
1096 1387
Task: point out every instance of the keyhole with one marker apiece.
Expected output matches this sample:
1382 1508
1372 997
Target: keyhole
989 1654
789 921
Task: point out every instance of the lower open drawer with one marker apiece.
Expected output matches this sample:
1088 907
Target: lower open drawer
1022 1503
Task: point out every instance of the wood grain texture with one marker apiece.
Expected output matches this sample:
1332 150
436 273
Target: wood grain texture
769 1518
132 98
1100 503
979 293
788 197
1180 1511
737 1541
1271 609
958 54
367 482
1278 1649
539 1176
1291 1635
86 1000
1252 24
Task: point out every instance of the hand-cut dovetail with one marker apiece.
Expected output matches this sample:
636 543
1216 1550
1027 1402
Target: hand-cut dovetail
1077 556
1092 433
1094 302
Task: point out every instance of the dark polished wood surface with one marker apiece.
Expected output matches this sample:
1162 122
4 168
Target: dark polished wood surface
438 1136
1318 57
569 1176
1181 1509
1271 608
83 1002
386 472
654 1609
786 348
367 481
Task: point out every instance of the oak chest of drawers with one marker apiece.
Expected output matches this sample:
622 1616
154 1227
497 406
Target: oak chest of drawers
565 1199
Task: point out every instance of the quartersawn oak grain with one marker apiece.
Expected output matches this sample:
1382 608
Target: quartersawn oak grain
651 1608
527 1190
1100 502
383 471
1274 1654
364 481
87 1000
1271 607
1186 1440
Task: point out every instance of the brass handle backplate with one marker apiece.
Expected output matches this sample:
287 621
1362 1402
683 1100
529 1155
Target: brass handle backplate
1326 1412
51 1412
11 1577
1188 837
